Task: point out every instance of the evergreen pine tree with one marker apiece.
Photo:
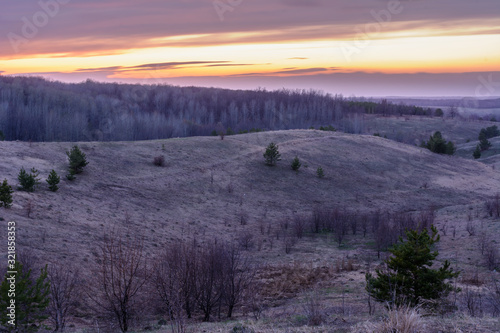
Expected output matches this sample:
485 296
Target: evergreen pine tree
409 278
477 152
77 160
437 144
450 148
28 181
53 180
296 164
320 172
31 299
5 194
484 144
272 154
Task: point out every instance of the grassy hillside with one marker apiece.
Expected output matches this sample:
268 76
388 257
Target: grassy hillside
414 129
209 185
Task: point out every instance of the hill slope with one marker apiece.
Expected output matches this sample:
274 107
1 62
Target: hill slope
208 185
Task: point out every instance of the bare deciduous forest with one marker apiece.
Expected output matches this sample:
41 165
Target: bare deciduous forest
39 110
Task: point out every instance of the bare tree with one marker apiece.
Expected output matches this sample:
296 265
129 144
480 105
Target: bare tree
492 255
238 277
172 279
64 294
28 207
493 206
494 296
210 279
471 228
121 272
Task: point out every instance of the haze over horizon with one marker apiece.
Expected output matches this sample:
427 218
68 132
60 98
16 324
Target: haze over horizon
363 47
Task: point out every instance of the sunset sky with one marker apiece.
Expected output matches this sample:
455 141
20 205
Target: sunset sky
353 47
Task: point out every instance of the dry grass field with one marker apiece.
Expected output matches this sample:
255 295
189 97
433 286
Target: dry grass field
221 189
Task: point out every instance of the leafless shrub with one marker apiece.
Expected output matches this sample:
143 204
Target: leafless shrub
345 264
404 221
64 294
230 187
159 161
288 242
353 222
473 302
284 224
339 223
472 278
314 312
119 275
174 281
363 220
257 305
482 240
426 219
471 228
28 207
271 242
318 220
299 226
262 227
493 206
209 279
246 240
375 220
385 236
493 296
243 218
269 228
444 228
238 278
492 256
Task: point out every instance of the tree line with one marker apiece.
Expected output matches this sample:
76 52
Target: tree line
33 108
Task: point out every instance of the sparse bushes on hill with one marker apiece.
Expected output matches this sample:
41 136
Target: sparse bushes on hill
5 194
28 181
272 154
